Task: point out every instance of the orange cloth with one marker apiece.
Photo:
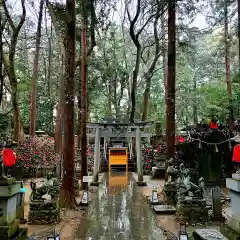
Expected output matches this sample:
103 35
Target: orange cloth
9 158
236 153
213 125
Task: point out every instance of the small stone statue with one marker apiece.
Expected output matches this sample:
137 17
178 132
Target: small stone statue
189 189
49 187
183 172
48 180
2 175
172 171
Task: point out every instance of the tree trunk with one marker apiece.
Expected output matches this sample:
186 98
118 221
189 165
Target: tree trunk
195 110
59 119
164 54
4 101
35 74
227 64
68 193
170 94
18 133
1 59
79 116
134 84
146 99
84 170
238 35
149 73
57 130
50 105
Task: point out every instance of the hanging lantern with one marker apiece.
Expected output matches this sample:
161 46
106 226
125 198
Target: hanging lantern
216 148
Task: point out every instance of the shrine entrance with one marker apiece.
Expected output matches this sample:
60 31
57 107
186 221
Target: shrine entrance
118 145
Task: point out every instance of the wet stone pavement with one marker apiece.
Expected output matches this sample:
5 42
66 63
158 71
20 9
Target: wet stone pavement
118 212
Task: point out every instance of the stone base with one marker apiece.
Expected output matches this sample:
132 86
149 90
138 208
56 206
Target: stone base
154 203
141 184
43 216
20 212
7 181
158 172
21 235
233 222
164 209
207 234
217 218
236 176
193 210
229 233
83 204
7 232
170 191
94 184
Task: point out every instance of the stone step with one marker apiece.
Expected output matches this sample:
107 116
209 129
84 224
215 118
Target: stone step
208 234
229 233
164 209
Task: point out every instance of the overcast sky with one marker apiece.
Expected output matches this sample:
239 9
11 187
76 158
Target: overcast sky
199 21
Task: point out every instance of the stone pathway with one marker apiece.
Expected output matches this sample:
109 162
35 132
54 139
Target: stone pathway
118 211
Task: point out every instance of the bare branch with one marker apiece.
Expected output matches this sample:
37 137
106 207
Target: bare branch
133 22
144 25
9 19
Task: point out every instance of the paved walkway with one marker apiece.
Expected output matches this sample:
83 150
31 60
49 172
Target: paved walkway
118 211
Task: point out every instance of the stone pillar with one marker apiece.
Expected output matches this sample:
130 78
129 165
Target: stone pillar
105 150
232 229
139 154
96 156
9 225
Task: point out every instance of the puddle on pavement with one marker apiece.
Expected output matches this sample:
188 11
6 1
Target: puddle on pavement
118 211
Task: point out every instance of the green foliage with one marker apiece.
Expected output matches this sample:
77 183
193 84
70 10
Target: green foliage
5 127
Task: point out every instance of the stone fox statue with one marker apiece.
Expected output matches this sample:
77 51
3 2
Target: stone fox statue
52 189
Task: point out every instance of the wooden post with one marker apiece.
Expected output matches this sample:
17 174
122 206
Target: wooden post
139 153
96 156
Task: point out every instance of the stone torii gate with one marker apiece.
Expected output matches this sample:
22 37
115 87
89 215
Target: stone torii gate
121 130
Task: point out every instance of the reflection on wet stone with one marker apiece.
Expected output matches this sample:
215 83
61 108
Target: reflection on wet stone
119 213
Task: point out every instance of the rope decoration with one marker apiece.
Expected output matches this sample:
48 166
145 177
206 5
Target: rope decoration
200 142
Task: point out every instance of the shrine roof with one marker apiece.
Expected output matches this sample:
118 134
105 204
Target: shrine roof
116 124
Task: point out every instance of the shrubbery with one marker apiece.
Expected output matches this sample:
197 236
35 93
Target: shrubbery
36 153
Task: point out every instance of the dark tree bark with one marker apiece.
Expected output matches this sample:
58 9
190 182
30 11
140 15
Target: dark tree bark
89 51
68 193
227 64
49 92
84 94
171 80
33 104
164 53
